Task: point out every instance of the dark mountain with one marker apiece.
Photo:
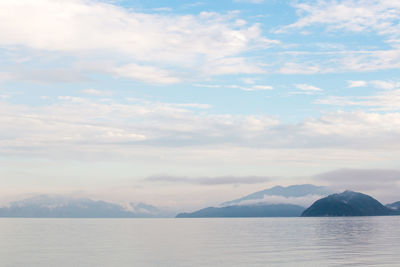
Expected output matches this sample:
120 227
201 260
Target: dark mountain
292 191
45 206
348 203
395 207
274 210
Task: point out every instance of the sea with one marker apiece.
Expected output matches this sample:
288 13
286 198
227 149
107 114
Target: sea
350 241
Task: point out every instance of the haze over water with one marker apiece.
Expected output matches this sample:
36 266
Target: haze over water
355 241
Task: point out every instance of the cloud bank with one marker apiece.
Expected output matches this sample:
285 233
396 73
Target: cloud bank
148 47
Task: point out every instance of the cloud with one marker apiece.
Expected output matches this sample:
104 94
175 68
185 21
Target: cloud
352 15
255 87
340 61
250 1
46 75
4 76
146 74
381 183
4 96
360 17
386 85
307 87
73 123
352 84
300 68
233 65
96 92
222 180
132 44
361 177
258 88
382 101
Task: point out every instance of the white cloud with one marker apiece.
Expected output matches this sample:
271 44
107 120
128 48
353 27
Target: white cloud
72 123
258 88
352 84
299 68
307 87
370 60
340 61
380 17
250 1
250 87
248 80
146 74
353 15
233 65
387 85
148 43
384 101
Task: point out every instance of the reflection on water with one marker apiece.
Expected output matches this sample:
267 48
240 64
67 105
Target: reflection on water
197 242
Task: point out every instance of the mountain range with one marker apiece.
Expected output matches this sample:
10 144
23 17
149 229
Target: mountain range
48 206
348 203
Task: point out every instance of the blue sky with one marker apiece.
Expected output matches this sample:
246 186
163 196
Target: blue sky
96 96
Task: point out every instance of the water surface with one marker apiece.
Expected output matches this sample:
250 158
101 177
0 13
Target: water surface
362 241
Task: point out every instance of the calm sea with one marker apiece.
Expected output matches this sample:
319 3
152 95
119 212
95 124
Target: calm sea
365 241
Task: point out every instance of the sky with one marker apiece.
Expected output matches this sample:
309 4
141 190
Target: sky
192 103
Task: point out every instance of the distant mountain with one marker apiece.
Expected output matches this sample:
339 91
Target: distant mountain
274 210
394 206
45 206
144 210
348 203
293 191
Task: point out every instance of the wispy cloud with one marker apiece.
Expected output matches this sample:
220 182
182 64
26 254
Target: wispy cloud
96 92
70 123
146 74
386 85
222 180
351 15
250 1
383 101
352 84
301 68
257 88
307 87
361 17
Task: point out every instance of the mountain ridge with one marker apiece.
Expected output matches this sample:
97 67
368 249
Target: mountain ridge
58 206
292 191
272 210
